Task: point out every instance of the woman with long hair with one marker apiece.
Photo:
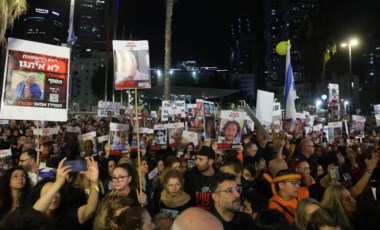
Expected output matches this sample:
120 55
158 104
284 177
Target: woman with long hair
305 209
48 197
125 182
14 189
339 199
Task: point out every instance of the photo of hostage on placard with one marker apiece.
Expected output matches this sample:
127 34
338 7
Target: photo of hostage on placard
231 132
26 85
159 137
209 132
129 69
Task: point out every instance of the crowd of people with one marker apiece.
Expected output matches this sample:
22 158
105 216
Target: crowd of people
282 183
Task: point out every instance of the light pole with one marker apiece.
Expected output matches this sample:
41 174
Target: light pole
345 107
317 104
350 44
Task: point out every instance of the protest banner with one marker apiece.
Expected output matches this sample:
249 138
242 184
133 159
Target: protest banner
159 137
85 141
209 131
110 109
118 138
36 80
132 68
335 130
230 129
357 126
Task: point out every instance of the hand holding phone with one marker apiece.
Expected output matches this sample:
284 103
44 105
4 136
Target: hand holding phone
77 165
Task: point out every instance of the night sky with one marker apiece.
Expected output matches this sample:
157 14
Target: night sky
201 28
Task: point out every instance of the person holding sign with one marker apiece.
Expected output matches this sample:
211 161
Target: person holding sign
29 89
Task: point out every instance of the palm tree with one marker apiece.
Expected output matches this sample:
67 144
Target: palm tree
168 39
9 11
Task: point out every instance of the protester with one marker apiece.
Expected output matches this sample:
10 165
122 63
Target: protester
125 182
199 178
108 209
227 203
46 198
173 200
14 189
134 218
305 208
196 218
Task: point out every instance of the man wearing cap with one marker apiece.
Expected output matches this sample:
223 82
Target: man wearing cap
198 179
227 203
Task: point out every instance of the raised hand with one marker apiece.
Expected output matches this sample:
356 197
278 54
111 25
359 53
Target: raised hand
62 171
92 172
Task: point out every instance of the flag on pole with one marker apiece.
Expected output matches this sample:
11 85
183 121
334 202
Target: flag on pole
290 89
71 36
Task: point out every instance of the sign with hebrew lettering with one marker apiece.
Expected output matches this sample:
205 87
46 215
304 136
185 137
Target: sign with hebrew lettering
35 81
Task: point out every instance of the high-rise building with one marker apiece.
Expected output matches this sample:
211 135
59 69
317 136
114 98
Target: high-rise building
283 19
374 66
44 22
90 21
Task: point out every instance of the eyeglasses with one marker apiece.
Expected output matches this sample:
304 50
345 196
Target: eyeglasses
293 182
119 178
311 146
231 190
22 161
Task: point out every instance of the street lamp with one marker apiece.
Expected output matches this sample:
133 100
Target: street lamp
345 106
350 44
317 104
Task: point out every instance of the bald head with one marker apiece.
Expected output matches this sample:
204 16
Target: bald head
276 165
196 218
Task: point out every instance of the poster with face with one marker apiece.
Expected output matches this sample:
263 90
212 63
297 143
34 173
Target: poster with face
333 100
36 80
132 68
118 138
87 144
175 132
318 133
230 129
335 130
159 137
357 126
209 120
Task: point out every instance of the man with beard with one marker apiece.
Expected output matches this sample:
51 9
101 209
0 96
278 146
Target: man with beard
227 204
198 179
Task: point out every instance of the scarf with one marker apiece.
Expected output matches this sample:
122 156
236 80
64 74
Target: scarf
174 201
